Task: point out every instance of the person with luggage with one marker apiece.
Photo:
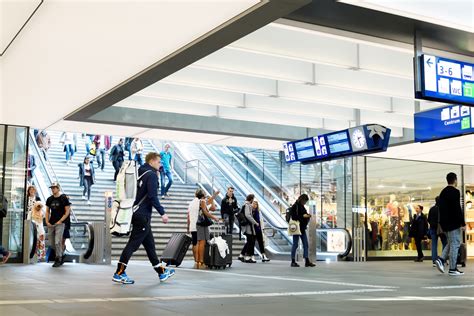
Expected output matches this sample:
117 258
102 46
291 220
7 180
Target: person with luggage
87 178
418 230
433 220
199 234
117 154
145 201
248 252
229 207
299 213
259 230
451 219
58 209
204 220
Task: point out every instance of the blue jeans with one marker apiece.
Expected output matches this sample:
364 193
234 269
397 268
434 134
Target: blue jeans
452 249
434 243
101 158
88 149
138 159
296 239
168 174
69 151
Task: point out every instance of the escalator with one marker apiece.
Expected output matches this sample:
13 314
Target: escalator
80 246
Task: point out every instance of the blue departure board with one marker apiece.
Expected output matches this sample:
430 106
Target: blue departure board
444 122
446 80
357 140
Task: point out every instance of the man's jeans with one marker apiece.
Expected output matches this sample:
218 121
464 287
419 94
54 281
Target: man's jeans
101 158
168 174
452 249
55 236
434 243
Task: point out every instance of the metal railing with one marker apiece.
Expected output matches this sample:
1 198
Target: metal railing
46 170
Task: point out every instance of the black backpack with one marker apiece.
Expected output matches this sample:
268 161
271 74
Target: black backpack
241 218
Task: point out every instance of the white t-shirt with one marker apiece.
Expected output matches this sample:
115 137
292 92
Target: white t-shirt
193 211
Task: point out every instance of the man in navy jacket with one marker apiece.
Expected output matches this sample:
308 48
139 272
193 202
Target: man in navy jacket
146 200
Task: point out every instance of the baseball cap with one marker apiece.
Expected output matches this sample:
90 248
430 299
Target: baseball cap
55 184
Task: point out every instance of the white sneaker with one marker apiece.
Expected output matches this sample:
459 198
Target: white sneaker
89 202
265 258
439 265
455 272
84 197
241 258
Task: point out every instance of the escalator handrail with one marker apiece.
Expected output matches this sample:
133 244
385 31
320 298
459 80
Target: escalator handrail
39 154
251 157
262 183
34 236
348 235
88 227
279 217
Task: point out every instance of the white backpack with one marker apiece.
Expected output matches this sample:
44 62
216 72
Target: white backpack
125 194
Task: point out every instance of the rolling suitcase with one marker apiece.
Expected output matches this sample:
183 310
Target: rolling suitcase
176 249
462 255
212 257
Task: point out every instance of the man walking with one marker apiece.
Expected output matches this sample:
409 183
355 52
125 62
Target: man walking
451 219
102 144
166 170
145 201
117 154
57 219
228 208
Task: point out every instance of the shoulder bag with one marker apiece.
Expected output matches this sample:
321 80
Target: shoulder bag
203 220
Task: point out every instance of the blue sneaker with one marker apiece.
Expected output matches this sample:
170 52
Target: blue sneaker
167 274
122 278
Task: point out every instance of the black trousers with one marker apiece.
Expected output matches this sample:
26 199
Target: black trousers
259 238
418 247
141 235
249 247
117 165
229 222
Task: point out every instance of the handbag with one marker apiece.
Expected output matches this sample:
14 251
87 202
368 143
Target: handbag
294 228
203 220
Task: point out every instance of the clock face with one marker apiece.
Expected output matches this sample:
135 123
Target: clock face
358 138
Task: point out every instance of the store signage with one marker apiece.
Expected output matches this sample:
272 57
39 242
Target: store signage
358 140
446 80
445 122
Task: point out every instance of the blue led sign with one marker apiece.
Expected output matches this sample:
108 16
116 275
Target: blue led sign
446 80
445 122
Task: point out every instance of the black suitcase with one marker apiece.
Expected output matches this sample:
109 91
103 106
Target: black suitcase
212 257
462 255
176 249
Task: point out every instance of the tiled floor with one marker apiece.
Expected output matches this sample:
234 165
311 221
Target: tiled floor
373 288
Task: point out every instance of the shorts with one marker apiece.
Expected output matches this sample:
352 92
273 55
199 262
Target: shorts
194 236
203 233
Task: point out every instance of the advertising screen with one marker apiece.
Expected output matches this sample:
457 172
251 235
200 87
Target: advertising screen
447 80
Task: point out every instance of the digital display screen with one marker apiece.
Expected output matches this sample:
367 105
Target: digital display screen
304 149
338 142
447 80
367 138
445 122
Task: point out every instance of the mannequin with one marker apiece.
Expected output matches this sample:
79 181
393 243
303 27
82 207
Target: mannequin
392 212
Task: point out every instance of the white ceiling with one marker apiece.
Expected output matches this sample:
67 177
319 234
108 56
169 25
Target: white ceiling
293 76
458 150
458 14
13 15
73 51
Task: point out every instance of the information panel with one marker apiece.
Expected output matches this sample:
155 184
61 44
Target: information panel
444 122
446 80
358 140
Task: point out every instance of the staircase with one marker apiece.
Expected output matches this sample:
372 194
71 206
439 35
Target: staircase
176 205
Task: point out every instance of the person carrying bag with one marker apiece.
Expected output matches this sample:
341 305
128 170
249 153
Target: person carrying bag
298 223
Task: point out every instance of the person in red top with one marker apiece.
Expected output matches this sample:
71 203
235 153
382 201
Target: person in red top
102 145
